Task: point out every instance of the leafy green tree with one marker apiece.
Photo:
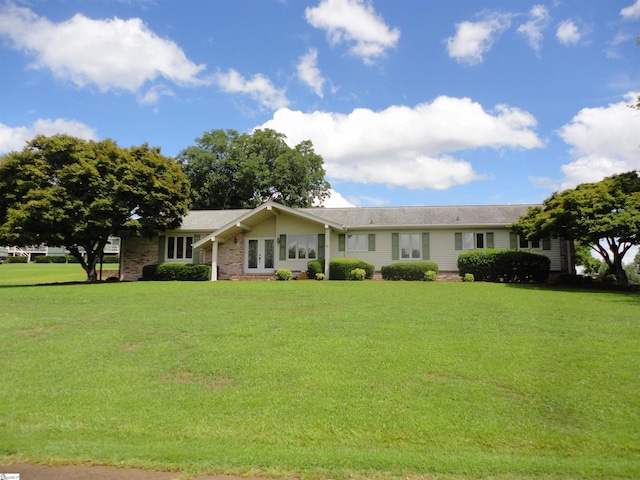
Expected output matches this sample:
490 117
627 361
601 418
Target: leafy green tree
604 215
633 269
232 170
70 192
583 257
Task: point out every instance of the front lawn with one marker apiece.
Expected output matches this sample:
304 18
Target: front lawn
323 379
40 273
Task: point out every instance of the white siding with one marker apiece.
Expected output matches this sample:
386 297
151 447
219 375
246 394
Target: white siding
290 225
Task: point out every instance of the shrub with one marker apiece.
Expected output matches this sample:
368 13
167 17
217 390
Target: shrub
430 276
357 274
319 276
50 259
72 259
283 274
408 270
510 266
571 279
111 259
468 277
314 267
609 278
17 260
184 272
340 268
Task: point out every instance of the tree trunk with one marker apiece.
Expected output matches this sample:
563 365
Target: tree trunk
620 272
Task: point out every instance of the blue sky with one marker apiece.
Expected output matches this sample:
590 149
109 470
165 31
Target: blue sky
409 102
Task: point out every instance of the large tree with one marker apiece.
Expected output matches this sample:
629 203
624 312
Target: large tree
70 192
604 215
232 170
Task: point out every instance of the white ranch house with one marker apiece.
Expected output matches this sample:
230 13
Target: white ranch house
254 243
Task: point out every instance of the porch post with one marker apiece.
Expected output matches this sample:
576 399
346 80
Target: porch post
327 250
214 261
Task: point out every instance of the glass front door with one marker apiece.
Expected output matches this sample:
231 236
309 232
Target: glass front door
260 255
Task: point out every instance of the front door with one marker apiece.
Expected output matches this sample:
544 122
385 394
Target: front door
260 255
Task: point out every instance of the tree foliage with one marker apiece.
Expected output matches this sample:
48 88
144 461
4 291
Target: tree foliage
604 215
231 170
70 192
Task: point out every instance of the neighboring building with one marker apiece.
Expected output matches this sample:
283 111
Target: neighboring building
31 251
244 243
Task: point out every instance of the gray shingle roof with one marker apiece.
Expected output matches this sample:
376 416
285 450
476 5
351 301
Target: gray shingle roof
378 217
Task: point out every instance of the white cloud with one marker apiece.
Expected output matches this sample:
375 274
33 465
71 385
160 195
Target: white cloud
354 22
632 12
14 138
532 30
404 146
336 200
568 33
112 54
257 87
604 141
309 72
473 39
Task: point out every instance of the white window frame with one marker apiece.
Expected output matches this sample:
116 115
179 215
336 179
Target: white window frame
179 248
358 242
308 242
411 237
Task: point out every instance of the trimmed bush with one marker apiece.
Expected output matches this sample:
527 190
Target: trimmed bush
72 259
183 272
283 274
430 276
468 277
408 270
340 268
111 259
17 260
50 259
314 267
319 276
510 266
357 274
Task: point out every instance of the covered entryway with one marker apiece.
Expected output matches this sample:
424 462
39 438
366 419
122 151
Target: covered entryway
260 255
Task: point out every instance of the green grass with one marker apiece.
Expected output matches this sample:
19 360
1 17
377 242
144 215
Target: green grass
40 273
323 379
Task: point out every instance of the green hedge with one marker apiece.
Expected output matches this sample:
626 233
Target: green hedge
341 268
408 270
183 272
17 260
315 266
50 259
511 266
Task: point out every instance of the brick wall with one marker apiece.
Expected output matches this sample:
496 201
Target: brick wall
135 253
231 258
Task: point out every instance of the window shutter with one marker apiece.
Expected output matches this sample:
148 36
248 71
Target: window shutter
161 248
458 240
372 242
321 246
395 246
489 237
283 247
425 246
513 240
546 243
341 239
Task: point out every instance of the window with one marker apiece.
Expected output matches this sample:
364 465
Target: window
473 240
410 246
358 243
302 247
524 243
179 248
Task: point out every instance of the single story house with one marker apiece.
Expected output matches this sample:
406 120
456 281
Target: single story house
252 243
